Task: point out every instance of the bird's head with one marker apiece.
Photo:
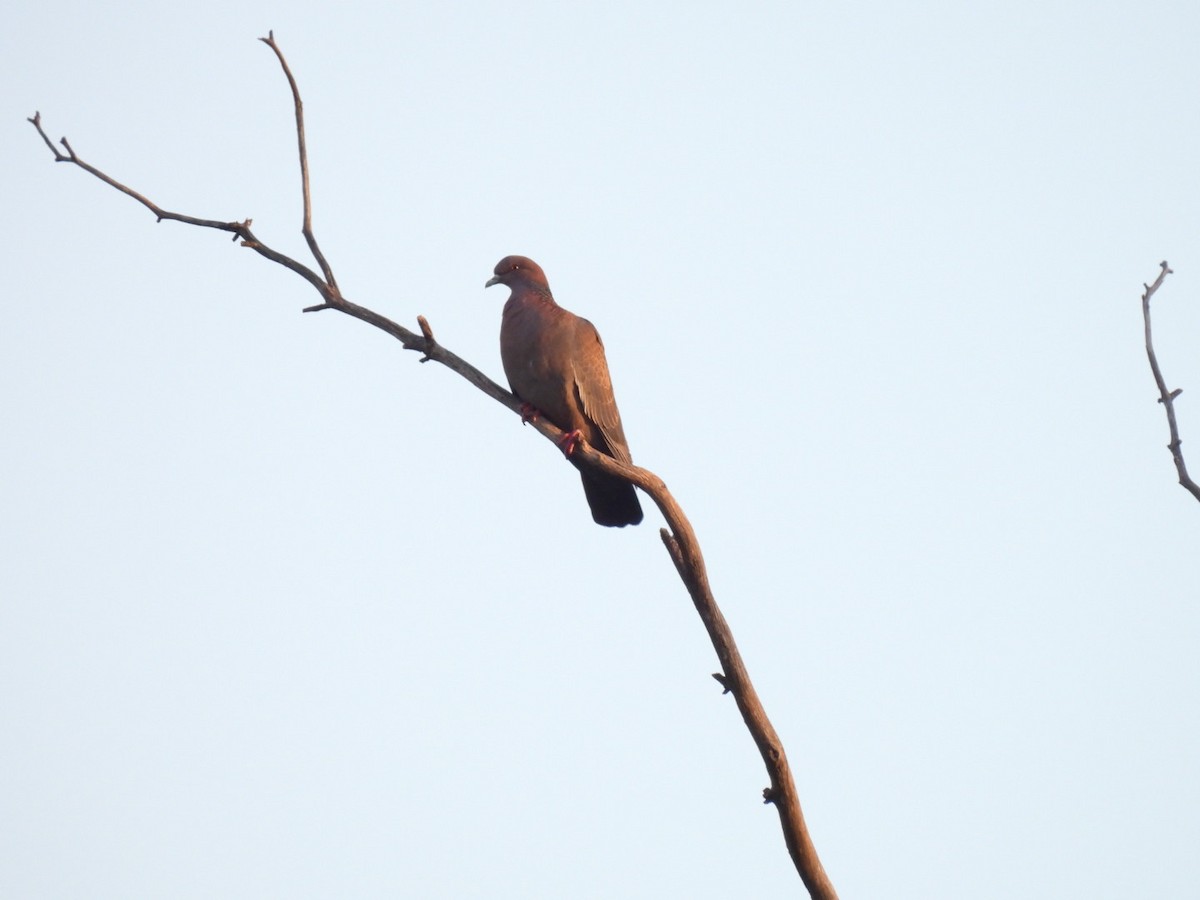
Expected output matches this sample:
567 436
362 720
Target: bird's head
519 271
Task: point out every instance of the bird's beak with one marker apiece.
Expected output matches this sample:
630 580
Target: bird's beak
495 279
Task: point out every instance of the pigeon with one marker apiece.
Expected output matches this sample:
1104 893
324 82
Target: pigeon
555 365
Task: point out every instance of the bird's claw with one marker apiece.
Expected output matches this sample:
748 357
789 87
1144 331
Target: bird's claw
570 441
529 413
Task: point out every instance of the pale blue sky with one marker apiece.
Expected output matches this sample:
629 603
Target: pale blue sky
285 614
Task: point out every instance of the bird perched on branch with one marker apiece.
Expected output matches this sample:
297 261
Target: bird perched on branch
555 365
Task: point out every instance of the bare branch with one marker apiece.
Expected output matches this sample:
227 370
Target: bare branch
36 122
1166 397
680 539
269 40
237 229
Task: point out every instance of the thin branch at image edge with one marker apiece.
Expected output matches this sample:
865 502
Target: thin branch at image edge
1166 397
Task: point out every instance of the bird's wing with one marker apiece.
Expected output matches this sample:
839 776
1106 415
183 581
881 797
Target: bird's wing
593 387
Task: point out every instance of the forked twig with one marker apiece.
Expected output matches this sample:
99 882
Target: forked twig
679 539
1166 397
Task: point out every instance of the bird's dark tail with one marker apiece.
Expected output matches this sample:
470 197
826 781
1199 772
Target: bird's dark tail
614 502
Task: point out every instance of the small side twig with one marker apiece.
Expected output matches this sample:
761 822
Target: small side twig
1166 397
430 343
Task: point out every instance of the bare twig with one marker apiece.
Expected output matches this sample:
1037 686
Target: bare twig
1166 397
269 40
237 229
679 539
430 343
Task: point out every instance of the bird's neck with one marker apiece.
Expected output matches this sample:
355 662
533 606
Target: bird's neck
530 295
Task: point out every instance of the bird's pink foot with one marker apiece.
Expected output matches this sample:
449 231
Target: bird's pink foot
570 441
529 413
